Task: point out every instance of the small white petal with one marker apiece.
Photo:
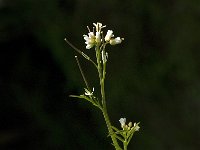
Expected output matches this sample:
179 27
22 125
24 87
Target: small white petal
122 121
91 35
88 93
136 127
88 46
109 35
85 37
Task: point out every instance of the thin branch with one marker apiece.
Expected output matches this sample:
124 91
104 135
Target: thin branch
80 52
82 73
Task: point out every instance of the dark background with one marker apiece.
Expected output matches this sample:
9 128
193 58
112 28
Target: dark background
153 76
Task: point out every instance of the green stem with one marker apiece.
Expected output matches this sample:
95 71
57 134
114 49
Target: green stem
125 145
110 130
104 110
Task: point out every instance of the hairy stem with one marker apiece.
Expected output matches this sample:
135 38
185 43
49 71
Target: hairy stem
125 144
104 110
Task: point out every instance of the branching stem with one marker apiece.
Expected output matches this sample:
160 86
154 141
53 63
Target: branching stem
104 110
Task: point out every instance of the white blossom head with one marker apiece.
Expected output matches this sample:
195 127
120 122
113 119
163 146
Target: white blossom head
96 38
89 40
122 122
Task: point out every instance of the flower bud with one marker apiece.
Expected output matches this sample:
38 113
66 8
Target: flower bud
115 41
109 35
130 124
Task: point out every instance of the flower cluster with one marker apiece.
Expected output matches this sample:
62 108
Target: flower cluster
129 126
96 38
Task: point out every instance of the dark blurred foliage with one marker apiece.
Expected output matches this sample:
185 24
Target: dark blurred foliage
153 77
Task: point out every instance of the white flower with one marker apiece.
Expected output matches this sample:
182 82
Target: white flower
98 37
88 93
136 127
109 35
123 122
115 41
89 40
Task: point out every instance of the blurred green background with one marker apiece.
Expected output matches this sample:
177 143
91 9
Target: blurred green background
153 76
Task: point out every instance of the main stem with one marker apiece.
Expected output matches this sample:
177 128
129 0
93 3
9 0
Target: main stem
125 144
104 110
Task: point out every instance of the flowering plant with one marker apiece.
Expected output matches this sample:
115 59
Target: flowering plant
95 39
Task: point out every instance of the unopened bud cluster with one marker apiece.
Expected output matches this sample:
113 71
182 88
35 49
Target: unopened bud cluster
128 126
